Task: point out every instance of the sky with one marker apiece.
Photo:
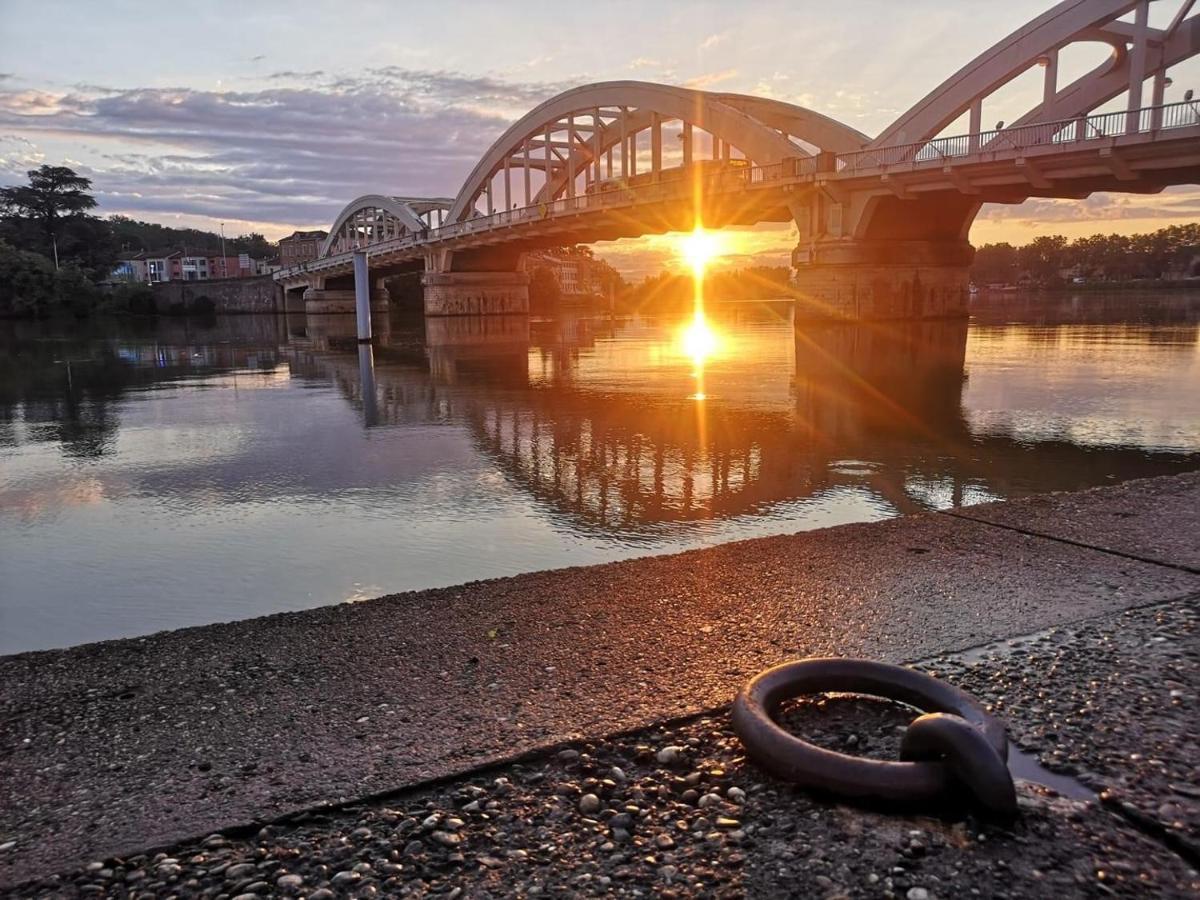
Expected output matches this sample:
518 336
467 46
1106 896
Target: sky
271 116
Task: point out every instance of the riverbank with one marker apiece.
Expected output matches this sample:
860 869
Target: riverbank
110 749
677 811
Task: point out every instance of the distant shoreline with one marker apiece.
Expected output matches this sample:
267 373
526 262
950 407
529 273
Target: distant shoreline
1190 284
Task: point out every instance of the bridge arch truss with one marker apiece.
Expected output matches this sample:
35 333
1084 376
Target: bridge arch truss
375 218
608 134
1138 53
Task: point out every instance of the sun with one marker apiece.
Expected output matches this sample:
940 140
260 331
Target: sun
700 247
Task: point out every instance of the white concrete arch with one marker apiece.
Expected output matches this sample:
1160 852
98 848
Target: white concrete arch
399 209
1039 40
811 127
627 107
1111 78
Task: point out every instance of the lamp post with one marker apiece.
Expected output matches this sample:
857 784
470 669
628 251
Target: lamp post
224 265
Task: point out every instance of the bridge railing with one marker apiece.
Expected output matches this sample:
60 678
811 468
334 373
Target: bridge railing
1100 126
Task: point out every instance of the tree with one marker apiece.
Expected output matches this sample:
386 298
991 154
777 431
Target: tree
1043 258
995 263
544 290
53 193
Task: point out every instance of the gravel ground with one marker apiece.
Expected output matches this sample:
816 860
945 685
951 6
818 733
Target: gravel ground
677 811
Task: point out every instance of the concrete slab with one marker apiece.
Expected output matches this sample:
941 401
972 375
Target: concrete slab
111 747
1149 518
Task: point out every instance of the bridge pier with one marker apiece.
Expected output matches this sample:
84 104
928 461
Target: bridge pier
475 293
323 301
862 281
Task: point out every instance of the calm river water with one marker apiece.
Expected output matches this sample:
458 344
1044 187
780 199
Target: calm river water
161 474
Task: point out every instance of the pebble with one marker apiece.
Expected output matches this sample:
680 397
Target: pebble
669 755
589 804
241 870
917 893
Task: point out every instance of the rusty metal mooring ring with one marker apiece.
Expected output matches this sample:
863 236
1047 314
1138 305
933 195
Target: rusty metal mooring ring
956 744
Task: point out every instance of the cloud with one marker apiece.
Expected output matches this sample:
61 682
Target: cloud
293 152
1179 203
711 78
712 40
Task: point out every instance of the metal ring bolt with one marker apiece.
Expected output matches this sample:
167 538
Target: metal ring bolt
955 745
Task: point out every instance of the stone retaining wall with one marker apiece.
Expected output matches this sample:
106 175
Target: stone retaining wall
226 296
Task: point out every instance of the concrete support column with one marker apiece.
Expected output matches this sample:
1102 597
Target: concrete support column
976 121
656 145
1156 100
476 293
1137 65
862 281
362 296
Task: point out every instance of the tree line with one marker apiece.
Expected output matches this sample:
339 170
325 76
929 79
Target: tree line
1052 259
54 252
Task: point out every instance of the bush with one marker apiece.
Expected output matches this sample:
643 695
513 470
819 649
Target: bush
75 291
29 286
133 299
27 283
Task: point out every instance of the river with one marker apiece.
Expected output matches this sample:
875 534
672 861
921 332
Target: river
159 474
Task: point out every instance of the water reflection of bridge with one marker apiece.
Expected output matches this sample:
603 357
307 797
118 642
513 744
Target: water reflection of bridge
873 410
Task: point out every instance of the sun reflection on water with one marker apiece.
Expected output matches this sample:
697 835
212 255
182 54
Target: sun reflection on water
698 339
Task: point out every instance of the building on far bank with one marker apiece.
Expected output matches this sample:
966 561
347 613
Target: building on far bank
240 266
164 266
300 246
153 267
130 268
580 275
194 268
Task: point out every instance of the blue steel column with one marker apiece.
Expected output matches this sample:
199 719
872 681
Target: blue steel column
362 296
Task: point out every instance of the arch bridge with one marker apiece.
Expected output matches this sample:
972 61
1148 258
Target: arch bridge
882 221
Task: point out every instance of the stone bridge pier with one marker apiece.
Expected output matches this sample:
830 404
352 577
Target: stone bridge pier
864 257
336 295
878 280
477 284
